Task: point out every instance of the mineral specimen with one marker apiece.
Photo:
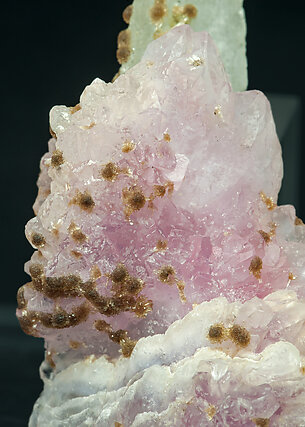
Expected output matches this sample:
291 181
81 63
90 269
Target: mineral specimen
223 19
167 283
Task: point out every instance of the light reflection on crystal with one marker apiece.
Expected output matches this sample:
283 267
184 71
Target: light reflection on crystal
201 177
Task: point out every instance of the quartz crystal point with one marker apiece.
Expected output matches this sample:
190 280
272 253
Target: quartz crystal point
223 19
167 283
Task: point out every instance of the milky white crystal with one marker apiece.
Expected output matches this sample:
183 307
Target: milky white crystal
223 19
180 379
159 239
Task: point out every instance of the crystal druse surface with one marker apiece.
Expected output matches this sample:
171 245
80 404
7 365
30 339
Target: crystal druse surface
224 20
167 283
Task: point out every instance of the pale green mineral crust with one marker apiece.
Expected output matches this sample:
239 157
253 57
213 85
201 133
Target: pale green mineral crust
223 19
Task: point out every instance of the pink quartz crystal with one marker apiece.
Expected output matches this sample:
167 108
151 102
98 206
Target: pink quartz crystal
157 197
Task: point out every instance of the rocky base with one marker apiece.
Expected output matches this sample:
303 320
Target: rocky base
222 364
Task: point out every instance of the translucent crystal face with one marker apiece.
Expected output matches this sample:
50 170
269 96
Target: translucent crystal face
158 237
158 192
224 20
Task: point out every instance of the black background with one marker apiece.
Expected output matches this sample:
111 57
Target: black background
50 52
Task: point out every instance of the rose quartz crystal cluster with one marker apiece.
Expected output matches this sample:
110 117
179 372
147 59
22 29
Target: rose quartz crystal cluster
167 283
